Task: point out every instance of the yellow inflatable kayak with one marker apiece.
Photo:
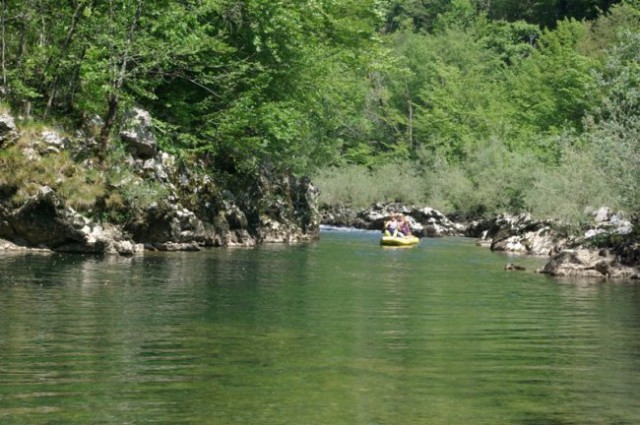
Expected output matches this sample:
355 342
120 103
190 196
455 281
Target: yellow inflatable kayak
399 240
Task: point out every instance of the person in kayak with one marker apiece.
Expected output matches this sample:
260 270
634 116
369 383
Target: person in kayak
397 226
403 225
391 225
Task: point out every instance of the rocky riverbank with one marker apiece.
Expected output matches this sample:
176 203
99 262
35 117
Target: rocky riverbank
54 196
609 248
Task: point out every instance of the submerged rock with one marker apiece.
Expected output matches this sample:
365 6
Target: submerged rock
514 267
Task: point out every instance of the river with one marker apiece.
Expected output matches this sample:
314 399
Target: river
338 331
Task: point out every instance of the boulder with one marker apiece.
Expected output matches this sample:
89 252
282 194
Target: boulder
434 223
51 141
45 222
588 263
514 267
424 221
8 129
137 133
519 234
606 222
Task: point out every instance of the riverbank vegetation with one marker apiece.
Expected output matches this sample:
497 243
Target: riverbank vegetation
506 116
470 106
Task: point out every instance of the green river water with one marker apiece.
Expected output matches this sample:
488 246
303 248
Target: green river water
339 331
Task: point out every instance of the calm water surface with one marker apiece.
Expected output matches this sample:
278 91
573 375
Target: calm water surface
340 331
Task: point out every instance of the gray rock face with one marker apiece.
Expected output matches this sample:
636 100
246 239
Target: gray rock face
187 209
8 130
45 222
284 208
424 221
273 209
520 234
600 264
137 132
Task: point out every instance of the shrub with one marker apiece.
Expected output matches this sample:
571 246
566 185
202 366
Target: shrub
451 191
569 191
360 186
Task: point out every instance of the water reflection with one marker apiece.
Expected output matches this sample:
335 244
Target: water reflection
338 332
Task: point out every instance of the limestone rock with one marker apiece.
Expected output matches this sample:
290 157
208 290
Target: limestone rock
514 267
44 221
519 234
137 132
8 129
424 221
601 264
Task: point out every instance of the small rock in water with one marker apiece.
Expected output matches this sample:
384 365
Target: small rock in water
513 267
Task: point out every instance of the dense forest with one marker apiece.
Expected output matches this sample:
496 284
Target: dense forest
472 106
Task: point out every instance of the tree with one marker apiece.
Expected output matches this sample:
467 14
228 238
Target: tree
614 132
120 57
551 88
546 13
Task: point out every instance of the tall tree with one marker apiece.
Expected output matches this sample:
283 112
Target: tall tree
121 56
546 13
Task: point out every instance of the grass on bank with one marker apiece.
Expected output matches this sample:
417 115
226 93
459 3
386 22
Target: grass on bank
107 192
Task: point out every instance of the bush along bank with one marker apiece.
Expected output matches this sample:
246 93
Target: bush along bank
607 248
56 196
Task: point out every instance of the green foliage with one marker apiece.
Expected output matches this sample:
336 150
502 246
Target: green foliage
614 133
492 179
552 88
606 29
477 106
141 194
360 186
456 91
545 13
23 177
130 191
511 41
568 192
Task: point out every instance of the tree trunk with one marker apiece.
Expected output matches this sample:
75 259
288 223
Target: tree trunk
116 87
410 121
3 18
53 88
109 121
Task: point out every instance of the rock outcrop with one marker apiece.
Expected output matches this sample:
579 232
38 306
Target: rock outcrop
519 234
594 254
8 130
424 221
44 222
589 263
607 250
188 210
137 133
